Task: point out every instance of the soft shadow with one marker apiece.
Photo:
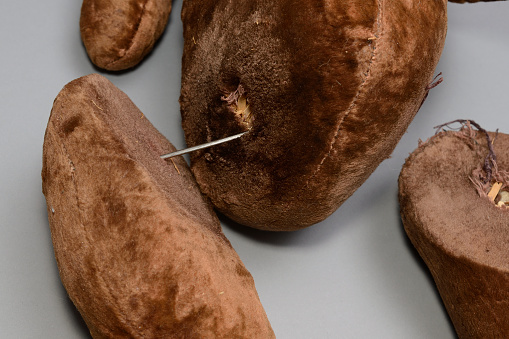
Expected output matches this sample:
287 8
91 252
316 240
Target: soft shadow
77 321
417 259
269 237
348 215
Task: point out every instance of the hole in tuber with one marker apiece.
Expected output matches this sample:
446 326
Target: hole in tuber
238 103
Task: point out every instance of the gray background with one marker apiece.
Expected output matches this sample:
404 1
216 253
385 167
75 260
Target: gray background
355 275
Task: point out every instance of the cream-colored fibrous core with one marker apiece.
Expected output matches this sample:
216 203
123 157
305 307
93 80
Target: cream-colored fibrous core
503 199
243 111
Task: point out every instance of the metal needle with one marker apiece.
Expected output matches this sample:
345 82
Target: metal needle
202 146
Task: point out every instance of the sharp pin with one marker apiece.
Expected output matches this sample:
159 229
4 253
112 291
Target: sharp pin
202 146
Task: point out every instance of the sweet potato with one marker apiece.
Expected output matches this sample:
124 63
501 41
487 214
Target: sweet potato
118 34
325 89
461 233
139 249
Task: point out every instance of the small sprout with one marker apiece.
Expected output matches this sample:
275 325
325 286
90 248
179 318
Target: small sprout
494 191
437 80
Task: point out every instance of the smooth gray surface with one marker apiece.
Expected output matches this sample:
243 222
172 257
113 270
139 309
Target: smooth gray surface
353 276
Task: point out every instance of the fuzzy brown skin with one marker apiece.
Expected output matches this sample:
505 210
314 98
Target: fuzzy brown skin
139 250
119 33
332 86
462 237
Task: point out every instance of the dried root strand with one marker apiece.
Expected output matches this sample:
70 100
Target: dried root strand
487 179
490 162
437 80
233 97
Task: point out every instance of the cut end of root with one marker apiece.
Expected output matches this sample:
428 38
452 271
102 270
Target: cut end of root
243 111
494 190
488 180
498 196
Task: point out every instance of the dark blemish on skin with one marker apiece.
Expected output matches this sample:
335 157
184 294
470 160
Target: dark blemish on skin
116 210
133 302
242 271
70 125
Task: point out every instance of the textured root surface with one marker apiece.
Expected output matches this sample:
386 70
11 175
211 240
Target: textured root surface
462 237
331 87
139 249
118 34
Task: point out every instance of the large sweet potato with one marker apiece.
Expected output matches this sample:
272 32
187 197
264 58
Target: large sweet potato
139 250
325 89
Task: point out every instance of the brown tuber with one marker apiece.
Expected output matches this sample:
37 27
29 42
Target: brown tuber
459 231
331 88
118 34
139 249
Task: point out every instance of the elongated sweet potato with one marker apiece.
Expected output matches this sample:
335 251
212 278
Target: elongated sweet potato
325 89
139 250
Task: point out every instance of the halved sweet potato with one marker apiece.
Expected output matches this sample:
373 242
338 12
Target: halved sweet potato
139 249
460 232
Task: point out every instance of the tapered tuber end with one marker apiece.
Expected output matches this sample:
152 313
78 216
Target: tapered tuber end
119 34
